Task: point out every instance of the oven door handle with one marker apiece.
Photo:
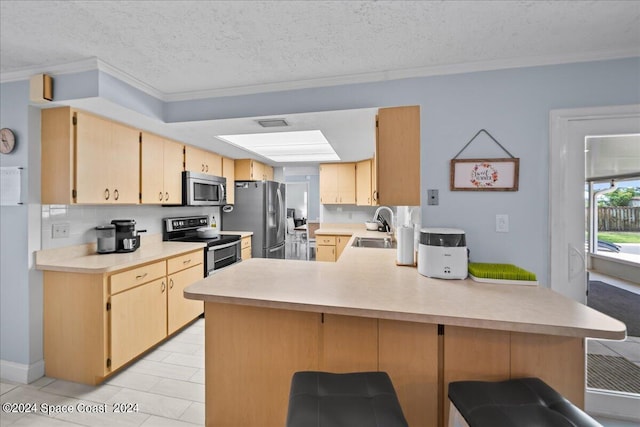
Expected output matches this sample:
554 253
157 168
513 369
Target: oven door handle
226 245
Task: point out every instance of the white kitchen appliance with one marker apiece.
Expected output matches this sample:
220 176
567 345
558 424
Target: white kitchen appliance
442 253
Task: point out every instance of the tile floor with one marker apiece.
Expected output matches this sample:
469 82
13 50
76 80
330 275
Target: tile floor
167 384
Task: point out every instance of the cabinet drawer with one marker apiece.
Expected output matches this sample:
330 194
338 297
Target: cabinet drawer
128 279
246 242
185 261
325 240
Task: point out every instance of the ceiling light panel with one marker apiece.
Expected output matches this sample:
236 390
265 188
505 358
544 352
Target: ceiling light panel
300 146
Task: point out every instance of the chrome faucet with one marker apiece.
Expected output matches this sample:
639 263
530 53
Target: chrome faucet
391 224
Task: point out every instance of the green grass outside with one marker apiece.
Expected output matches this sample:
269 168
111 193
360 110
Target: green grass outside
619 236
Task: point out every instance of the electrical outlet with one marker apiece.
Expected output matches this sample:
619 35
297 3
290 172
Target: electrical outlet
61 230
502 223
432 197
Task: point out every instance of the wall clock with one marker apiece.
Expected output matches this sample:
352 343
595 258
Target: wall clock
8 141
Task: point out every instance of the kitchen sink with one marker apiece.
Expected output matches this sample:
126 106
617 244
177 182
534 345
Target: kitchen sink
374 242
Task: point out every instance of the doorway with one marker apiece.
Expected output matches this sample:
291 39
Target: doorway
569 256
297 201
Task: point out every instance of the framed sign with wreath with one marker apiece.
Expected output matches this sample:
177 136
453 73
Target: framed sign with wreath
484 174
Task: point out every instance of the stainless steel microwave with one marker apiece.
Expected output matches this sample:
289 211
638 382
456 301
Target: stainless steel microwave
199 189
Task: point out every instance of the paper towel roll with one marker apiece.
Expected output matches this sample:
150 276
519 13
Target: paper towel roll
405 252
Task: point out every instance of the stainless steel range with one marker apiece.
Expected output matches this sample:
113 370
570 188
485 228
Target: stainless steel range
220 252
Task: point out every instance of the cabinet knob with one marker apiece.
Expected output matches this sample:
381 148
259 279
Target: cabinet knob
203 167
170 283
186 261
116 194
166 196
163 287
141 276
375 195
207 168
160 196
106 194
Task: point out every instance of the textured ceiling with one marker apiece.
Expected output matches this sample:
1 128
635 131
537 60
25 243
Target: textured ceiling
190 49
178 47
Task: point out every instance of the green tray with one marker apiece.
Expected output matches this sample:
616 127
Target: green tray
501 273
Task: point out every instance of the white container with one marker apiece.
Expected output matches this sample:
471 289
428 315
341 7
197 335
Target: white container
405 252
442 253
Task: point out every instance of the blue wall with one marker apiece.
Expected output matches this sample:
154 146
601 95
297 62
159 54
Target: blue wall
512 104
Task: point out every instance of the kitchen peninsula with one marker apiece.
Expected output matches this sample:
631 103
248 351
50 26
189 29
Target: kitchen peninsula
266 319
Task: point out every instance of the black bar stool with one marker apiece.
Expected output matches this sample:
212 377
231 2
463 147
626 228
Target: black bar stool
360 399
523 402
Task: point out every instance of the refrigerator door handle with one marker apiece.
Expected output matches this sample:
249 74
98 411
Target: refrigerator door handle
280 210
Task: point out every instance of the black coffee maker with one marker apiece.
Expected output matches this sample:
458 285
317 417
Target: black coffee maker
127 238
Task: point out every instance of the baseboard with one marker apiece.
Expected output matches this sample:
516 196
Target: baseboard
616 405
21 373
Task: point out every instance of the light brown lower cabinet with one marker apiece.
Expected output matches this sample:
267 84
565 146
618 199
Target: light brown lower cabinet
245 245
96 323
330 247
252 352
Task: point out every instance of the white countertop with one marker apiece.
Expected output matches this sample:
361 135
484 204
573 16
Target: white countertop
84 259
366 282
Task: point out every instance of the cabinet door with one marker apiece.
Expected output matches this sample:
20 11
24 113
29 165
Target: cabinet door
268 172
349 344
229 172
326 253
329 184
138 320
398 156
364 192
194 159
347 183
341 243
257 171
246 247
151 174
213 164
179 309
173 162
93 136
124 164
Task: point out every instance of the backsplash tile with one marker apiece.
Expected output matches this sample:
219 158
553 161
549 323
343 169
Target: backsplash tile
83 220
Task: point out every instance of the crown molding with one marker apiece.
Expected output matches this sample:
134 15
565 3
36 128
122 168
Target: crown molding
53 70
438 70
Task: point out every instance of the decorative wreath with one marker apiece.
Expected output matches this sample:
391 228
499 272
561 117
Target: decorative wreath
483 175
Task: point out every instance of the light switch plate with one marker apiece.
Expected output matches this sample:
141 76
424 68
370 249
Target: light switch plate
502 223
432 197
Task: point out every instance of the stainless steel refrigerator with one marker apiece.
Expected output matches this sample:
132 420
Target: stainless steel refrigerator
259 207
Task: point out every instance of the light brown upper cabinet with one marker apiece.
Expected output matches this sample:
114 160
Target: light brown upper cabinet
252 170
338 183
398 156
197 160
229 172
162 162
365 183
87 159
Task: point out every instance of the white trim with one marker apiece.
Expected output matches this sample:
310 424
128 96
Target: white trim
558 133
20 373
57 69
437 70
613 404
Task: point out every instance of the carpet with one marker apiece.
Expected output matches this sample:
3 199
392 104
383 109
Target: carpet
612 373
617 303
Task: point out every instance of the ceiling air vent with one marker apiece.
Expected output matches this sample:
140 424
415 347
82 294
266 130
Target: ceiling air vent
272 123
